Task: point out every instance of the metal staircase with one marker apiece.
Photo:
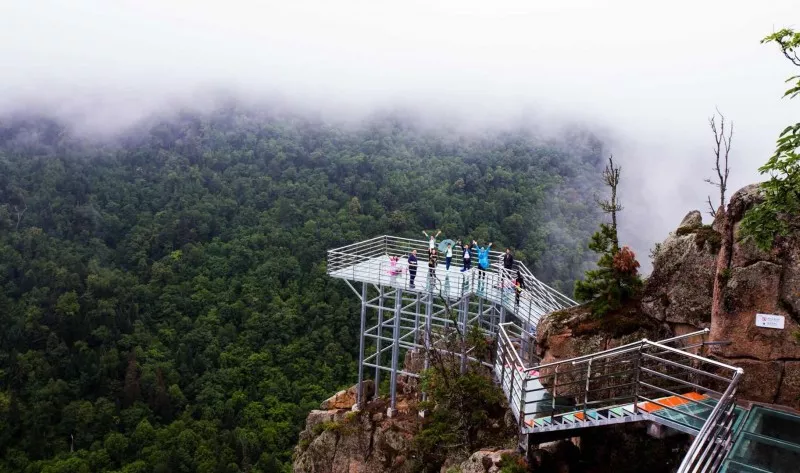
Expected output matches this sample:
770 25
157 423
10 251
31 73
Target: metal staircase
662 382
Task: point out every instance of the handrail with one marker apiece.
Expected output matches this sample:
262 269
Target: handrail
624 377
621 348
696 357
711 423
508 339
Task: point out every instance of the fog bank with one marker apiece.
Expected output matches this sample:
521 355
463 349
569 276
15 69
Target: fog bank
648 75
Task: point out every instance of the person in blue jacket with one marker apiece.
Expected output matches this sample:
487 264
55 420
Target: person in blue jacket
483 258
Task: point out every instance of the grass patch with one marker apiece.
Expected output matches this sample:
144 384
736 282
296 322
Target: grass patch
327 426
707 234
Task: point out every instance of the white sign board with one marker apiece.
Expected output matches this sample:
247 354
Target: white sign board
770 321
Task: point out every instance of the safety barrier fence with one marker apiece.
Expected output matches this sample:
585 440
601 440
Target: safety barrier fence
661 381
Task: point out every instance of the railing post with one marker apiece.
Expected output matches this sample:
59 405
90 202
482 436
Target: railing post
555 393
637 369
513 378
501 356
522 393
588 380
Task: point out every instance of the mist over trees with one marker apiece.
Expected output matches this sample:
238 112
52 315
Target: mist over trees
163 295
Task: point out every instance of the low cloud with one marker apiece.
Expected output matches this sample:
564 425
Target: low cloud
646 75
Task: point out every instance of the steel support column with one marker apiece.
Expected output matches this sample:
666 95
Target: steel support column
360 393
398 303
378 342
428 317
463 304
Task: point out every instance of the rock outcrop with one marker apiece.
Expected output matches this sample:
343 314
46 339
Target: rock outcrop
574 332
340 440
680 289
692 221
748 282
488 461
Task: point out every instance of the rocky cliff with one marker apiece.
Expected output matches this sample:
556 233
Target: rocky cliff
748 282
704 276
337 439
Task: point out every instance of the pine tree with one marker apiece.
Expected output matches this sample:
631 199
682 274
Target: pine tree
616 278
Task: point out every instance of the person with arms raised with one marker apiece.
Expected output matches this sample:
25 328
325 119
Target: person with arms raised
432 238
483 258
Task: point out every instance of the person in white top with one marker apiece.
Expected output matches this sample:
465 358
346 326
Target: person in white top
448 256
432 238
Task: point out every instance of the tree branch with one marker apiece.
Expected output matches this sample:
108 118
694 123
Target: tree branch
721 150
19 215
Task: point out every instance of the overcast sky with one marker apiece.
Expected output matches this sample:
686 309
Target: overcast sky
649 73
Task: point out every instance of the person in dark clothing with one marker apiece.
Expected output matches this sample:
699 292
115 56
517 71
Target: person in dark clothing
508 260
519 285
412 268
433 259
508 266
466 256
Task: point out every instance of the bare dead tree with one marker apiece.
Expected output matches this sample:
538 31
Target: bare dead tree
722 147
19 215
611 176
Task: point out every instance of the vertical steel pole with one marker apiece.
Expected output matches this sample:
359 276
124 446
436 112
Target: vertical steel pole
398 305
428 316
522 393
463 310
360 393
501 356
480 309
637 368
586 392
378 342
416 319
555 393
512 377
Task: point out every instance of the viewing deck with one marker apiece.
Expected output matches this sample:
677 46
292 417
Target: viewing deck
369 262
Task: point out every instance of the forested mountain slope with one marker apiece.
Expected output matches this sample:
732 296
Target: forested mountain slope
163 299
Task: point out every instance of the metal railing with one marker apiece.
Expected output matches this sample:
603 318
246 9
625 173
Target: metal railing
653 380
715 439
370 261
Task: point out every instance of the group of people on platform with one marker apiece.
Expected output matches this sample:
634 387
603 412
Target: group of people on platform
466 250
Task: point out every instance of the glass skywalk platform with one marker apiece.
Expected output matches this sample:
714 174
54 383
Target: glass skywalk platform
371 262
769 442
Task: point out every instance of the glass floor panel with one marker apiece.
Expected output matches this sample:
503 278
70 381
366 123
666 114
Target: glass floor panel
769 443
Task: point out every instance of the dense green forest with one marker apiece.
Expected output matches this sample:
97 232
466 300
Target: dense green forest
164 305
